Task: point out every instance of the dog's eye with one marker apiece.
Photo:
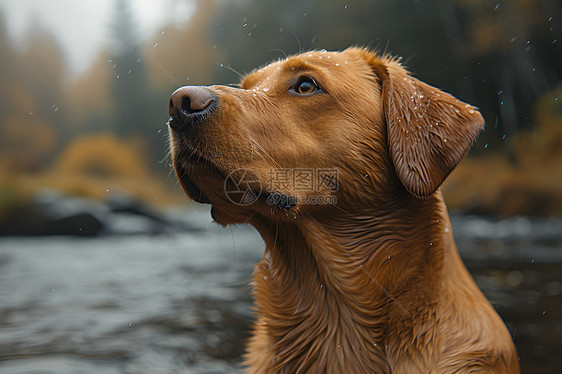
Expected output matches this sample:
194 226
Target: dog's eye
306 86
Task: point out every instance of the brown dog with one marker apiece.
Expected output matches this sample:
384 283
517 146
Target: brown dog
337 159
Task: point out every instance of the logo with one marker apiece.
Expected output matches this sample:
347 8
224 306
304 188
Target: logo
242 187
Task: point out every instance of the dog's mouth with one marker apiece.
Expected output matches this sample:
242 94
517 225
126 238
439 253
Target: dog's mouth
218 186
194 191
194 171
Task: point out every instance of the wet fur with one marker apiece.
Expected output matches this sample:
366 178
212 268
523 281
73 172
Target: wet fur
374 283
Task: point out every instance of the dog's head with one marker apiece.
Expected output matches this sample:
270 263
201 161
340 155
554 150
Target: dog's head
314 130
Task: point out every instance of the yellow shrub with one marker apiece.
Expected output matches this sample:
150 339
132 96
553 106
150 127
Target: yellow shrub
103 156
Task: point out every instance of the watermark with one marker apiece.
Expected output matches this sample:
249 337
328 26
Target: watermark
288 201
242 187
307 185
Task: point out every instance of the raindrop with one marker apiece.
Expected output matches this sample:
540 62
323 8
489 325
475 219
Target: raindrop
322 285
486 146
162 33
339 345
265 278
107 190
497 6
533 261
446 229
345 7
155 45
244 25
265 89
139 60
159 131
117 77
250 34
543 312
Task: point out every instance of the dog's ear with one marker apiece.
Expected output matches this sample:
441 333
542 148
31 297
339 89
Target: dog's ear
428 130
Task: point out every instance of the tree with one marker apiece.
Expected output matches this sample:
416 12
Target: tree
31 95
130 90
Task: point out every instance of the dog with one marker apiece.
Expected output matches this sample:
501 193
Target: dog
339 157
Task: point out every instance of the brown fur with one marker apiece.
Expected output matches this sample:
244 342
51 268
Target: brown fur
374 283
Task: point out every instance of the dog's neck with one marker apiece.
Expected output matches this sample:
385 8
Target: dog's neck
343 280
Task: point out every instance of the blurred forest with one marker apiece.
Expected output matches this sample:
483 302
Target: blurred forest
105 129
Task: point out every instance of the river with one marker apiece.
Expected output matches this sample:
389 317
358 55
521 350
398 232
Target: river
180 302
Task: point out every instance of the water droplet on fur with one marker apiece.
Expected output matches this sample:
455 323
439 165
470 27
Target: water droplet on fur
265 89
322 285
446 229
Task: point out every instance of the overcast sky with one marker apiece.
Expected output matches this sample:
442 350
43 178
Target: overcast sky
82 26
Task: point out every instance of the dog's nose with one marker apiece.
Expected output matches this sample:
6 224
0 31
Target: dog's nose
190 103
